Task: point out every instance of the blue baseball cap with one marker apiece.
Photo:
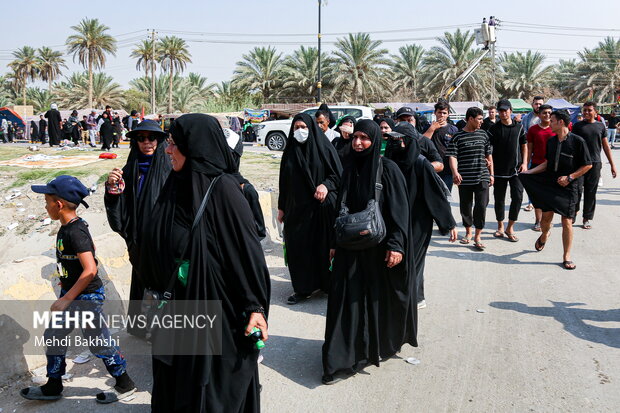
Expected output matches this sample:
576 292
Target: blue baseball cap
65 187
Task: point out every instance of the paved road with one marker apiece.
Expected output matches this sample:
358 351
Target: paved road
505 330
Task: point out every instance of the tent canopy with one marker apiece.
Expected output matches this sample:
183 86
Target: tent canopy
520 106
11 116
561 104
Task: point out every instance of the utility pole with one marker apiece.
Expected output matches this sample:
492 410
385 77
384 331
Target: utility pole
318 80
153 73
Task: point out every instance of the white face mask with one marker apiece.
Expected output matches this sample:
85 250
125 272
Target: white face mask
301 135
346 129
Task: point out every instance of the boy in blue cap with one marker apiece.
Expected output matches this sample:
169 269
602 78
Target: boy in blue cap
80 287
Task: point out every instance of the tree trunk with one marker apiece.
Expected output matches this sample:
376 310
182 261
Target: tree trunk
49 87
170 90
24 90
90 81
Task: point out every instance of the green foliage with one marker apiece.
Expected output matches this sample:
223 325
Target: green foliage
260 71
73 93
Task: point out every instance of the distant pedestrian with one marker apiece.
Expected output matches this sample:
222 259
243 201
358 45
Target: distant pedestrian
42 129
491 119
34 131
322 118
595 134
106 132
92 128
614 121
54 125
531 118
472 170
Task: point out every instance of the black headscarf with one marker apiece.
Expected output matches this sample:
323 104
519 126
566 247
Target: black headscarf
311 156
332 118
404 157
388 121
361 167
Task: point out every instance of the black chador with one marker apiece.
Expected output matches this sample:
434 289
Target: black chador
226 264
129 212
308 222
368 302
428 201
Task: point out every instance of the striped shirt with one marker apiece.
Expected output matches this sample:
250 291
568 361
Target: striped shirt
470 150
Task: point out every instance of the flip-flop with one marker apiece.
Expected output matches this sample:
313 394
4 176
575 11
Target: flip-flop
587 225
528 208
112 395
537 227
35 393
479 246
465 240
498 234
539 245
569 265
512 237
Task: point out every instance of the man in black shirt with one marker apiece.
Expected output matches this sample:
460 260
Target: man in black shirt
471 163
405 115
440 132
556 190
491 119
594 133
509 158
42 129
613 123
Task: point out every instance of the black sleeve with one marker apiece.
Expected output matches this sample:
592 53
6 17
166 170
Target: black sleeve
395 208
81 240
429 150
604 130
582 154
242 258
522 136
283 183
332 181
116 212
435 198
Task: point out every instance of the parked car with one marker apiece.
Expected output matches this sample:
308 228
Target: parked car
273 133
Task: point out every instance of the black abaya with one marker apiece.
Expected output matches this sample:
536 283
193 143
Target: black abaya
368 302
226 263
53 126
106 132
130 211
308 223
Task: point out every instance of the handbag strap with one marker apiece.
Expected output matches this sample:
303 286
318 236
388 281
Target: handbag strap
378 184
168 294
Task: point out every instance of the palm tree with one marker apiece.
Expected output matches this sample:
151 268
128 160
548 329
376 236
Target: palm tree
90 45
523 73
360 68
204 89
6 92
446 63
25 66
407 68
144 53
73 92
50 64
563 78
143 85
173 56
300 74
41 99
260 71
598 74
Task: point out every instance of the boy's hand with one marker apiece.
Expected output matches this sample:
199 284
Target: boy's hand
60 305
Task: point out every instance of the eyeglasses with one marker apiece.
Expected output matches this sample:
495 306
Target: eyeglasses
142 138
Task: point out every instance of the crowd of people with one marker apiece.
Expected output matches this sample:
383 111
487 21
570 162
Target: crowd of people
357 199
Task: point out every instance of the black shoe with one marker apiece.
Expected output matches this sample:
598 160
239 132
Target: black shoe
297 298
329 379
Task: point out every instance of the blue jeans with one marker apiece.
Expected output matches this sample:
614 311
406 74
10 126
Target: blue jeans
112 358
611 135
448 180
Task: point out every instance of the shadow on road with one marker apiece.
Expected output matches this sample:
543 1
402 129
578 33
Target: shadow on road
574 319
297 359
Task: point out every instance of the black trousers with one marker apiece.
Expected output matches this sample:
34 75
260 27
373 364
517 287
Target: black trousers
468 194
588 189
516 197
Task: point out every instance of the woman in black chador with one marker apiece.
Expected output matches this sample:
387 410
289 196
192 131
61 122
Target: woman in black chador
226 264
428 202
309 178
368 295
130 196
106 132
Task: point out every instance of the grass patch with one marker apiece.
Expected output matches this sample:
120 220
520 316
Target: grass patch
44 175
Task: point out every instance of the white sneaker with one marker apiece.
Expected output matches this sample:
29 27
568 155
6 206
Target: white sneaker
422 304
600 182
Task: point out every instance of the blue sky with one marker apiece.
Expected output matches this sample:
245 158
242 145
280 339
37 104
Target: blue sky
45 23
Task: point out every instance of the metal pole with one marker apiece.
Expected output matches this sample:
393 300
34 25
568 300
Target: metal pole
318 83
493 89
153 74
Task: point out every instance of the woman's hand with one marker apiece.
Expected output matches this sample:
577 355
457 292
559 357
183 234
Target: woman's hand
280 216
257 320
453 235
321 193
115 176
393 258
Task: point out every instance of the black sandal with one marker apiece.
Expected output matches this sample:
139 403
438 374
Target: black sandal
539 245
569 265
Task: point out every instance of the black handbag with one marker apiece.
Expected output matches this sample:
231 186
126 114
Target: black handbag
364 229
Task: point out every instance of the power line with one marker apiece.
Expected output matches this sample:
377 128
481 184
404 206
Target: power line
558 27
552 34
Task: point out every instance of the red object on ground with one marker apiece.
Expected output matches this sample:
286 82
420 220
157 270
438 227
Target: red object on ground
107 155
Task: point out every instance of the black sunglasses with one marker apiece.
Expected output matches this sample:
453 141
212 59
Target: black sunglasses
142 138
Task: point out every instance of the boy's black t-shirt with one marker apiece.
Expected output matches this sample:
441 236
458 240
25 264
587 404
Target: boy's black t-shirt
72 239
593 133
506 141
